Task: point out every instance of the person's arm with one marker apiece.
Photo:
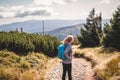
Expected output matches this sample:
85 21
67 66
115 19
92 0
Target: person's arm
66 52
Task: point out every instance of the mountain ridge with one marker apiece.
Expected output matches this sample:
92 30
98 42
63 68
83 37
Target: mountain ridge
61 33
32 26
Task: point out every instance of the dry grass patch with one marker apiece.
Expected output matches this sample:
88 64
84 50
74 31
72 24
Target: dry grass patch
111 70
97 54
105 61
16 67
10 73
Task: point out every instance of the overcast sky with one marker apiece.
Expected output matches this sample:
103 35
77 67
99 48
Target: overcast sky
21 10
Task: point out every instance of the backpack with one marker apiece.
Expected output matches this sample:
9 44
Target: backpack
61 49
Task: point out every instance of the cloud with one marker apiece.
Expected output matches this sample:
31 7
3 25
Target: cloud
48 2
24 11
1 16
51 2
70 1
10 8
42 2
9 11
36 8
105 1
40 12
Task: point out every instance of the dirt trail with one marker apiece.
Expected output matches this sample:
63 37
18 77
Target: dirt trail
81 70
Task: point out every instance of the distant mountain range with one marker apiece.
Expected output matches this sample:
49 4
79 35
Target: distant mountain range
33 26
58 28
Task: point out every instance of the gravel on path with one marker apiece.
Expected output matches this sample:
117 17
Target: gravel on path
81 70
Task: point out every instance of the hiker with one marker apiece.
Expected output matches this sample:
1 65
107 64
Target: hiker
67 63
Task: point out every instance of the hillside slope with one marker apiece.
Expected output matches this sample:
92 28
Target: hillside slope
61 33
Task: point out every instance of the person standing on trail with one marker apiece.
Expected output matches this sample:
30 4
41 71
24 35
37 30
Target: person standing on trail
67 63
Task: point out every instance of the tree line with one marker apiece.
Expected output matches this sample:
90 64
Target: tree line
93 34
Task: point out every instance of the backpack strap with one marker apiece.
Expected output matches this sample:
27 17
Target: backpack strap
66 45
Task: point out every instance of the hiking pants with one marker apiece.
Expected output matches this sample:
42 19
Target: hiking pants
67 68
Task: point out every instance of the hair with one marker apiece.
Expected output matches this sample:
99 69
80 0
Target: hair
68 39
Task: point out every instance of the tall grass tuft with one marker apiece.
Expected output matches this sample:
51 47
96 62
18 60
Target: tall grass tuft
112 70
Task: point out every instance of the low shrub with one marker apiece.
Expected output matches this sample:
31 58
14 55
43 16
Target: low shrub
24 43
25 65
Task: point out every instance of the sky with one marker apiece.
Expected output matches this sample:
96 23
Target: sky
22 10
